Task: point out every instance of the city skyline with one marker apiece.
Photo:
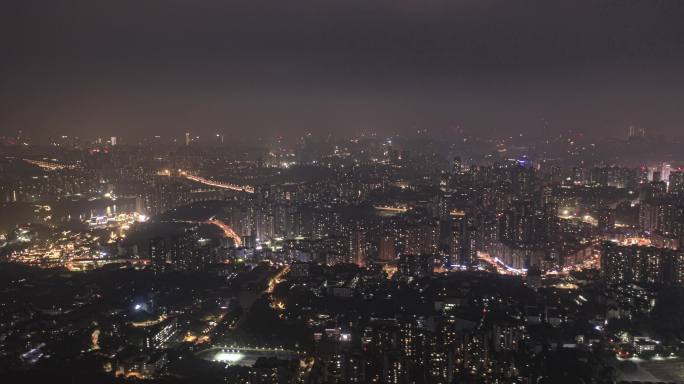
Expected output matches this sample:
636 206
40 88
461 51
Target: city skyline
283 262
342 191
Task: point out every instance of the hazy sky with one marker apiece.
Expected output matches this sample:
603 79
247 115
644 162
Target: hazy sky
257 67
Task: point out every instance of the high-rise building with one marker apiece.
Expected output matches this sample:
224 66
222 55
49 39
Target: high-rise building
676 183
357 248
457 239
386 249
113 141
665 170
660 216
518 223
187 138
633 132
158 253
430 231
638 264
456 165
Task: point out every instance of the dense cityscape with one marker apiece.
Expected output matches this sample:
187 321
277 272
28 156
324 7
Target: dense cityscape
401 259
342 191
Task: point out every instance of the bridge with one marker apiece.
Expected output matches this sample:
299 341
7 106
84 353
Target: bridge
392 208
48 165
217 184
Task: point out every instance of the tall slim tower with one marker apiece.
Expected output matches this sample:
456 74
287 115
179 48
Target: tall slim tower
187 138
457 239
456 165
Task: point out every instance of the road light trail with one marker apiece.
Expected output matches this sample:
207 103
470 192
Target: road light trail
500 266
227 231
275 280
218 184
48 165
400 209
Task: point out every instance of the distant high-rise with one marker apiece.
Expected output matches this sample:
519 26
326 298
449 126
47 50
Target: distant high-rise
113 141
457 240
358 254
665 170
187 138
457 165
676 180
633 132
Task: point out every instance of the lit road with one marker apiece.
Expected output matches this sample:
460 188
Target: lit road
592 262
500 267
227 231
48 165
276 279
217 184
389 208
272 282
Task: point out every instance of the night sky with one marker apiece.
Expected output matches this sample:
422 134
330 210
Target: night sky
247 68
